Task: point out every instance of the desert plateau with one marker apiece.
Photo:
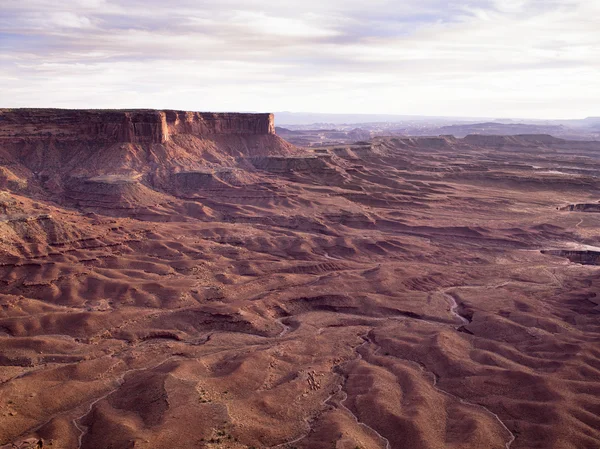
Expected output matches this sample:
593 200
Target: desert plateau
173 279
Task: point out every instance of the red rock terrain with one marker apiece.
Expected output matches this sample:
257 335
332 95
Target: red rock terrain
174 279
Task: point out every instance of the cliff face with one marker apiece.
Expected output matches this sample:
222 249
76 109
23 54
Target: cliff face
125 126
201 123
519 140
47 147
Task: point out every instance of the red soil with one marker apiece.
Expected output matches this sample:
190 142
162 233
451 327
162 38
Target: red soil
230 290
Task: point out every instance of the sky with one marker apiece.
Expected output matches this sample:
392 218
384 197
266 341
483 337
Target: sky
470 58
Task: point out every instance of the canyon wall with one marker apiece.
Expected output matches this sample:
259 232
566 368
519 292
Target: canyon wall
131 126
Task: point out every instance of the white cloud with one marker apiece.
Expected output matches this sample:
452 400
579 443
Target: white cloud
68 20
527 58
260 23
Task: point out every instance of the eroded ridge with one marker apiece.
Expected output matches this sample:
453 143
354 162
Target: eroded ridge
185 288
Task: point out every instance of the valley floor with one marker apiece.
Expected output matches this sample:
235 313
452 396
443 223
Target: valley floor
416 294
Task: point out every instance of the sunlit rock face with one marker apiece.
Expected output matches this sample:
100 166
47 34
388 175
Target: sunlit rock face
128 126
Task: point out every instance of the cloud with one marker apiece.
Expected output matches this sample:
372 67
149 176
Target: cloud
473 57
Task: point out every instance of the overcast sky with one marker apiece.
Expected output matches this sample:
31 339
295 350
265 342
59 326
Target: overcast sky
493 58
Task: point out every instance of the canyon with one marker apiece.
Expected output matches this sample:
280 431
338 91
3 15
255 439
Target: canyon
174 279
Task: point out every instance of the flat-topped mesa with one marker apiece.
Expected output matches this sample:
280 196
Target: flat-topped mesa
130 126
511 140
201 123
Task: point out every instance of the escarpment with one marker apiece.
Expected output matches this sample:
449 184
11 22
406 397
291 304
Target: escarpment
47 147
125 126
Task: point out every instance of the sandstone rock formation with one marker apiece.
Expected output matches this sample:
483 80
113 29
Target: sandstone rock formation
46 147
125 126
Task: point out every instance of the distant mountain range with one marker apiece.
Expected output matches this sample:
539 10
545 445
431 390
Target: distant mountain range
363 124
309 118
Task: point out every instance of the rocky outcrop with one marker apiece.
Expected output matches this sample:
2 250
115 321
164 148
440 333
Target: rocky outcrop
125 126
8 180
582 207
585 257
201 123
111 192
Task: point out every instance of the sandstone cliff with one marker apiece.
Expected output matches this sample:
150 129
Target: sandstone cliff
126 126
48 146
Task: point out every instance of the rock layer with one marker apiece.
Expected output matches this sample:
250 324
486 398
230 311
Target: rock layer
47 146
126 126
